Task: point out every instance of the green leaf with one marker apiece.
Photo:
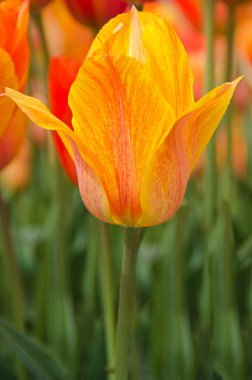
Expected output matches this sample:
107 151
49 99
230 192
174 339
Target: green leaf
34 357
5 371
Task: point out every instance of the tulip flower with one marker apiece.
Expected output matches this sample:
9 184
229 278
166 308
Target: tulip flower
137 131
14 59
95 12
67 68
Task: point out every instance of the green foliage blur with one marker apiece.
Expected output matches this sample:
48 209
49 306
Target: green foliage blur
193 309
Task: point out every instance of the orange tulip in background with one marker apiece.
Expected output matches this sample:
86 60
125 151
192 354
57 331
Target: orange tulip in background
138 132
14 60
66 68
64 35
96 12
16 175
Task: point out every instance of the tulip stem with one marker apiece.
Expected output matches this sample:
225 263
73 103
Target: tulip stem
38 19
126 302
107 296
211 169
228 77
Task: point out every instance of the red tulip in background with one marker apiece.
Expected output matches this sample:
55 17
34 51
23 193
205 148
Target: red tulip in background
67 68
96 12
192 9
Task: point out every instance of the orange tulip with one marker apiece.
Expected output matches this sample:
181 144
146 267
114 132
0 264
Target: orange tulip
66 68
16 176
138 132
64 34
96 12
14 59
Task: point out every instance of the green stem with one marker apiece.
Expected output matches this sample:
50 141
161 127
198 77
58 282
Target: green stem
107 297
16 293
211 169
126 302
39 22
228 77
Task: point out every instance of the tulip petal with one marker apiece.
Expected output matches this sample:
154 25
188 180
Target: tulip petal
41 116
169 62
121 117
7 78
119 27
200 124
150 39
91 190
164 181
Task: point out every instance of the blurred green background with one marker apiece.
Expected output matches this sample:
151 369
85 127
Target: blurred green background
193 315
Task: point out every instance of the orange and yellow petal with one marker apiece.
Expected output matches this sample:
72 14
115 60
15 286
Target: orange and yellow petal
151 40
41 116
165 179
122 118
7 78
92 191
169 62
201 122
